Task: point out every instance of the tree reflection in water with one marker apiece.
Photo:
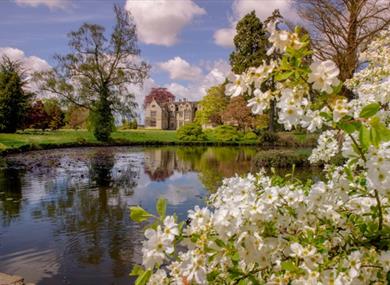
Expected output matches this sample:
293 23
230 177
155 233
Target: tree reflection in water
10 194
93 217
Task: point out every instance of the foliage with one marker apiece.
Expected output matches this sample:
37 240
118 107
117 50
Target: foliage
191 132
102 120
249 136
267 137
281 158
250 44
129 125
76 117
36 117
252 41
160 95
261 229
212 106
55 114
238 114
98 71
225 133
14 100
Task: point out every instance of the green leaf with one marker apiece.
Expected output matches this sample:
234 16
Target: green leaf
370 110
143 278
326 116
161 207
378 132
212 275
289 266
137 270
220 243
234 273
364 137
253 280
283 76
347 127
138 214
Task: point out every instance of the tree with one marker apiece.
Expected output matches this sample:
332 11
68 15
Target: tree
13 99
161 95
37 118
76 117
340 29
97 73
237 113
212 106
55 114
250 44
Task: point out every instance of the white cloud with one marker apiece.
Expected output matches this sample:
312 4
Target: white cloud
52 4
180 69
161 21
215 74
263 8
180 91
224 37
30 64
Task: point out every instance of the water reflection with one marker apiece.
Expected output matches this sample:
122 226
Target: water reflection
65 216
10 194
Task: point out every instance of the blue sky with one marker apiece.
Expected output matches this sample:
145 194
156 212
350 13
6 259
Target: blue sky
187 42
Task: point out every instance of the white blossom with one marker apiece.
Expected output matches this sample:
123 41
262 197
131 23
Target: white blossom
324 75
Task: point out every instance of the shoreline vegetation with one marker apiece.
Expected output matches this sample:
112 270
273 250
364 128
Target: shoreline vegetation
30 140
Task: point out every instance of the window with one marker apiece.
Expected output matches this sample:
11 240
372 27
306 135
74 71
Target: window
153 115
187 115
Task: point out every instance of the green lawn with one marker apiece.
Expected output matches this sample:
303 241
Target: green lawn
36 139
30 140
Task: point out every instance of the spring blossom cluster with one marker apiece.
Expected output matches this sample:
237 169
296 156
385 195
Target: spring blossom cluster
261 229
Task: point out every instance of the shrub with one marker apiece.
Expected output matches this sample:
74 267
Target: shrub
248 136
191 132
281 158
267 137
225 133
129 125
290 139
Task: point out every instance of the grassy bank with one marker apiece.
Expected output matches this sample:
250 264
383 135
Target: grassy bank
33 140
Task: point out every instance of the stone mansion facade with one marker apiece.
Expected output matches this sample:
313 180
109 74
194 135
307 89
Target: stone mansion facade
169 115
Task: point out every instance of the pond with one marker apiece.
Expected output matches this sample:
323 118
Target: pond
64 215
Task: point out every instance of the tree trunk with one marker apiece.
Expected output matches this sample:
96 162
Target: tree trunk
271 125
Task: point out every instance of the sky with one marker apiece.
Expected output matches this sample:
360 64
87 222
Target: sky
187 42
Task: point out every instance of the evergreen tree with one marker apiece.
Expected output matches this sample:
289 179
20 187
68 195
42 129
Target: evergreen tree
13 99
251 44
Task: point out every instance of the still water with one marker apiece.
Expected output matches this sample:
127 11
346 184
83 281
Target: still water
64 215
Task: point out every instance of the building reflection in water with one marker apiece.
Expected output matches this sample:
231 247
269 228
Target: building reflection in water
212 164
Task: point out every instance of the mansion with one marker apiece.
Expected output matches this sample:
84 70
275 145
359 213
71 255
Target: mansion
168 114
